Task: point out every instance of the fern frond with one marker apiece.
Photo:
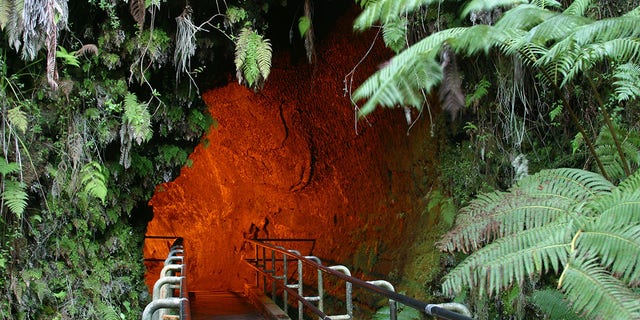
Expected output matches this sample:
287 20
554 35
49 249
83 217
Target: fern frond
618 50
252 57
94 180
514 258
18 119
631 183
588 44
524 17
488 5
137 8
535 201
8 167
400 82
627 84
621 207
577 7
394 34
107 312
607 298
385 11
618 247
575 184
553 304
556 28
15 197
478 38
606 150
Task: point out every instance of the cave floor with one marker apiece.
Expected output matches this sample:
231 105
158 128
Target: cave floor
221 305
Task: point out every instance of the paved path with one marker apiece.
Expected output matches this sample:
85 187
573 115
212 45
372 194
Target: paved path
222 306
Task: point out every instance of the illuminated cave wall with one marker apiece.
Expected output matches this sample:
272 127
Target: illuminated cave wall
286 162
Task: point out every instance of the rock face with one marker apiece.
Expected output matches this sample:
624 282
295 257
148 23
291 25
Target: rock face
286 162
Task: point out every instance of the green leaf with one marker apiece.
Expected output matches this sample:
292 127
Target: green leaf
15 197
607 298
94 180
304 23
18 119
67 58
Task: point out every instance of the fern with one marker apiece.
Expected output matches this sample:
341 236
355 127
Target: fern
514 258
606 150
488 5
137 119
394 34
137 9
552 303
107 312
386 11
94 180
627 84
18 119
607 298
593 237
7 168
15 197
536 201
252 58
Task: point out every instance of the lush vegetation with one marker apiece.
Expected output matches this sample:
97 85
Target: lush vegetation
551 82
99 103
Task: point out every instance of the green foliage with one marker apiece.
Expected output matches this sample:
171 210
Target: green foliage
560 220
18 119
606 150
94 180
68 58
627 84
304 24
252 58
394 34
553 304
137 119
385 11
403 314
15 197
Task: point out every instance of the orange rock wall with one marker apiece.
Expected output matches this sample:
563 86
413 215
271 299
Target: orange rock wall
286 162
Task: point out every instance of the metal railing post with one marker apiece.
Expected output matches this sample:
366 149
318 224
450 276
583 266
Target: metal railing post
348 289
393 305
450 311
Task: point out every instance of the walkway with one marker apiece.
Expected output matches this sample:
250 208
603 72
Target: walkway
222 306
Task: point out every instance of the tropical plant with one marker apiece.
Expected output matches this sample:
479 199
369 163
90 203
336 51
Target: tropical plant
559 221
252 58
557 44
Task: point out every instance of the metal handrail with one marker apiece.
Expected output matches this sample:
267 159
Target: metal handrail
440 310
163 298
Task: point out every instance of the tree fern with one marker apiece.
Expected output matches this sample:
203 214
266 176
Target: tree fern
94 180
252 58
593 291
385 11
535 201
594 239
606 150
618 247
394 34
627 84
553 304
510 259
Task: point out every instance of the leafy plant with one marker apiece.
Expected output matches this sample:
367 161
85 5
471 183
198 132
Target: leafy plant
566 221
94 180
252 58
558 45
